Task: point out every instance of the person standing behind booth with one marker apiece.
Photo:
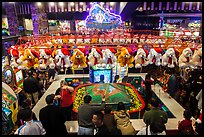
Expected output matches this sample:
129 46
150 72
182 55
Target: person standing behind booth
122 119
31 87
52 118
85 113
155 115
148 90
65 96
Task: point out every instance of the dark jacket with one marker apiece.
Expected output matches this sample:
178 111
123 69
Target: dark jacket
31 85
111 124
103 130
155 115
85 113
53 120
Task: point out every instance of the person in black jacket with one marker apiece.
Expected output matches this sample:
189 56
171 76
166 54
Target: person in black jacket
148 89
31 87
52 118
101 128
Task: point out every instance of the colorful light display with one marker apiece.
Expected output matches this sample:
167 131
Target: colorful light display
100 18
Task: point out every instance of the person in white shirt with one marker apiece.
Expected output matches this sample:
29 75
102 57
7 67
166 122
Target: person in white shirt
30 127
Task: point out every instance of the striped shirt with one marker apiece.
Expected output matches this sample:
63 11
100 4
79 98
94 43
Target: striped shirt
31 128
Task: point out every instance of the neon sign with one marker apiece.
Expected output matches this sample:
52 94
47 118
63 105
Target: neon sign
102 19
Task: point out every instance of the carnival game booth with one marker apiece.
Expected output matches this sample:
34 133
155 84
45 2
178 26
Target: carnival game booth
9 108
113 92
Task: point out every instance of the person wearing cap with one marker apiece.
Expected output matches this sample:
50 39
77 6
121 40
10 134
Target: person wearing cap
85 113
31 87
52 118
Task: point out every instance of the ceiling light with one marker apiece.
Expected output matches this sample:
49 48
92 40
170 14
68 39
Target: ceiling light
61 3
52 3
81 3
39 3
72 3
111 3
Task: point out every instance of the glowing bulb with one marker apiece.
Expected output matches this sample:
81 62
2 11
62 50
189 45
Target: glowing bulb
61 3
39 3
72 3
111 3
52 3
80 3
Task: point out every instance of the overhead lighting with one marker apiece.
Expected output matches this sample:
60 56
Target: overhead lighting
11 2
72 3
81 3
52 3
39 4
61 3
111 3
102 3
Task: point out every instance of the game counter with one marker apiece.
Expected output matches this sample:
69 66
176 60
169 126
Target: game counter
72 126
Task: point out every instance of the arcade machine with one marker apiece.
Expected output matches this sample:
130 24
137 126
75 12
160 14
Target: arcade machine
96 73
14 78
9 108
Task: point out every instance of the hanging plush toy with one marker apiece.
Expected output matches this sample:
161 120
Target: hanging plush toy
31 56
128 39
122 39
14 56
71 39
78 58
141 58
116 39
149 39
101 39
142 38
109 57
94 39
125 57
95 57
108 39
170 58
185 57
135 38
45 56
196 60
79 39
62 58
155 56
87 39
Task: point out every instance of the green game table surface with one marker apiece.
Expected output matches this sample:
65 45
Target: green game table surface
114 93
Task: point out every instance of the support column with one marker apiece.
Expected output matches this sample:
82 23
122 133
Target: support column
39 19
12 19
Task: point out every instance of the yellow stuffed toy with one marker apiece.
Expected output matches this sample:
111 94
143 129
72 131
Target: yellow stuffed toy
31 56
78 58
125 57
94 39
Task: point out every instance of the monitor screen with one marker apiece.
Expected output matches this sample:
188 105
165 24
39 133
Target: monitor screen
19 76
106 74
